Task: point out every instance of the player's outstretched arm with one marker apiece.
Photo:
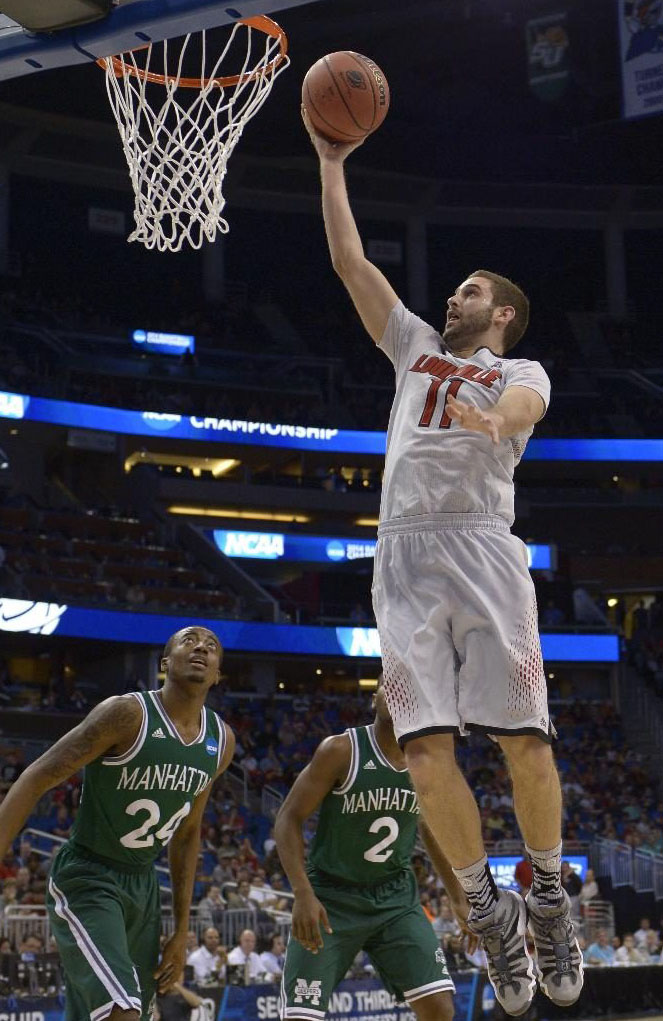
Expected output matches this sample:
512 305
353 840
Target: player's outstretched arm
326 770
183 851
111 725
372 294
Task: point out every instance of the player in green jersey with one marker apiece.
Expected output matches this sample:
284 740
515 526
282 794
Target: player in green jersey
150 761
359 886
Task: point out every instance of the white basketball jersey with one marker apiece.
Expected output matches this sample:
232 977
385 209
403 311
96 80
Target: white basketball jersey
433 465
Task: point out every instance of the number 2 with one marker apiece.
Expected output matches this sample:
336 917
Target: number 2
378 852
431 401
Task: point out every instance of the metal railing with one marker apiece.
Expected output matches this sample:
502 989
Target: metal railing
625 866
271 801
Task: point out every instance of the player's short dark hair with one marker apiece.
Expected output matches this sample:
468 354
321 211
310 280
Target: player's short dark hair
505 292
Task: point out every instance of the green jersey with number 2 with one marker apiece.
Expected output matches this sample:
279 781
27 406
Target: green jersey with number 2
367 827
132 804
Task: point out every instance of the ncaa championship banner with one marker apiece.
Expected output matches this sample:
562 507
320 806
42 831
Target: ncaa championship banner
641 56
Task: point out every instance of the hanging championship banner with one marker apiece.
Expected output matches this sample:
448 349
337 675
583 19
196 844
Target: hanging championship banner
548 55
641 54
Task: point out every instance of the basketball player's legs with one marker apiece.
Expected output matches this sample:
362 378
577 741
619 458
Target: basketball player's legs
438 1007
87 919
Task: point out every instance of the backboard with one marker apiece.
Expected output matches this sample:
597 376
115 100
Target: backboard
130 24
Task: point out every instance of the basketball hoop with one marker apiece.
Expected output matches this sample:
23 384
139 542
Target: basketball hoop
178 131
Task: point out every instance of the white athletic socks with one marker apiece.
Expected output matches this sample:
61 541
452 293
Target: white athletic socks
478 884
546 869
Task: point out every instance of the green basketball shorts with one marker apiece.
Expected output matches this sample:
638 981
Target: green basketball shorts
107 924
387 921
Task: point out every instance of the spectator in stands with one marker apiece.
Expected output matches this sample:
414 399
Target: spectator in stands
272 959
191 942
9 899
269 843
262 894
178 1005
241 897
30 946
11 768
640 934
600 953
652 947
209 960
628 953
552 615
211 908
9 865
572 883
228 847
6 945
445 924
63 822
590 888
245 953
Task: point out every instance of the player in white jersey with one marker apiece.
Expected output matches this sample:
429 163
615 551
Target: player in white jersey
453 598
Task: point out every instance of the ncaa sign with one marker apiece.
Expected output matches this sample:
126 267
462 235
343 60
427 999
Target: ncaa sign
359 641
253 545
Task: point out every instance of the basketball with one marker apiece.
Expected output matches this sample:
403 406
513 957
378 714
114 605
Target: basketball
346 96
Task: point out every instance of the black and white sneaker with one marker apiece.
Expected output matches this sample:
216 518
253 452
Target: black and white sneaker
502 932
558 955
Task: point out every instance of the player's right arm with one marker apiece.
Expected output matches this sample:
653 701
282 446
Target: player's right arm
326 770
111 726
372 294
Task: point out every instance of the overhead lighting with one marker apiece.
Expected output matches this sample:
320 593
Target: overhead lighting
217 466
368 683
318 671
612 602
230 512
367 522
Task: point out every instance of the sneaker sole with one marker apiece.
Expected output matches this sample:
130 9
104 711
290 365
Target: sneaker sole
531 966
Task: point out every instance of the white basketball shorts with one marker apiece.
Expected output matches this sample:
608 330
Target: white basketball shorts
456 612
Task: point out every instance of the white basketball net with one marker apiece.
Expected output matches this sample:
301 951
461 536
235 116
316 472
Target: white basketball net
178 140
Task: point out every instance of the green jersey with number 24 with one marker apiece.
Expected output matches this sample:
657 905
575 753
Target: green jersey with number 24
367 827
132 804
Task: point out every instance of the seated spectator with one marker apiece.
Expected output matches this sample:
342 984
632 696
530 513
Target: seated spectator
9 899
211 908
628 953
272 959
209 961
262 893
178 1004
652 947
63 822
245 953
590 888
9 865
600 953
640 935
241 897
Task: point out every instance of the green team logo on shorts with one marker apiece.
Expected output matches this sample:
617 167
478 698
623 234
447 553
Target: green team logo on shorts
308 991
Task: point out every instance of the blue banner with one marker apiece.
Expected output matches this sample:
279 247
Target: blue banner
41 618
274 434
325 549
163 343
353 1000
